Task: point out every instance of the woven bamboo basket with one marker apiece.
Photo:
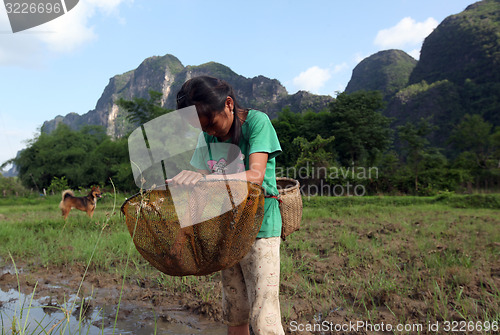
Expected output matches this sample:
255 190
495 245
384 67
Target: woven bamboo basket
213 244
290 205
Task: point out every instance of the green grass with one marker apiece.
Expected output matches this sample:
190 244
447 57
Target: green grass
33 231
417 259
398 259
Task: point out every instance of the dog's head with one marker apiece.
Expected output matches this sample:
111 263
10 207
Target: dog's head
96 192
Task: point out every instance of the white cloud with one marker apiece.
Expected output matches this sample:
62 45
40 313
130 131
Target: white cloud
15 50
340 67
407 33
70 31
312 79
63 34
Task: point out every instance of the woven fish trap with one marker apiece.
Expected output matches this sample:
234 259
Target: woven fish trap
217 239
290 205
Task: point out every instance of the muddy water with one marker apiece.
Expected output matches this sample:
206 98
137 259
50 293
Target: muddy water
42 315
36 315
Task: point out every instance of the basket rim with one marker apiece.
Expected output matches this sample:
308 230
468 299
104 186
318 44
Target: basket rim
293 188
165 187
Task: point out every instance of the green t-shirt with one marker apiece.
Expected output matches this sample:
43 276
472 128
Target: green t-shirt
259 135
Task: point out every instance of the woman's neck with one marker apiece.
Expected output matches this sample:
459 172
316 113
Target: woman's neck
242 115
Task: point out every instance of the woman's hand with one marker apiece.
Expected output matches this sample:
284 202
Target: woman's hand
187 178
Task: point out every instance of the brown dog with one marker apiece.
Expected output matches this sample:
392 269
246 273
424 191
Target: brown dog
86 204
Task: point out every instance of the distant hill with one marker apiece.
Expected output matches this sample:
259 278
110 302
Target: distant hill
166 74
464 46
387 71
458 73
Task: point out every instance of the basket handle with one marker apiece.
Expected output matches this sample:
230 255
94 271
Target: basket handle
235 209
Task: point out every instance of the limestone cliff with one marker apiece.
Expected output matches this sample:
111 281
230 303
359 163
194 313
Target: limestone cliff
166 74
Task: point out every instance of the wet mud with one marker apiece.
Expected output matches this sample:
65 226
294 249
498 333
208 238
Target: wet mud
60 294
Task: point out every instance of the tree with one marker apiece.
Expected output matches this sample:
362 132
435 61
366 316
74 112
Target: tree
316 124
416 145
313 154
11 186
479 148
142 110
361 131
287 126
495 143
473 134
84 158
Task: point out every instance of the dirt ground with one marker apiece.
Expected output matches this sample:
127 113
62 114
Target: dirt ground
301 312
56 285
100 290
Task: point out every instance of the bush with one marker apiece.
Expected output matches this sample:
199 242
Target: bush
11 186
491 201
58 185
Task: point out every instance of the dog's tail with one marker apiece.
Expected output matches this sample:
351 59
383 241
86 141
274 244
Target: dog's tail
65 194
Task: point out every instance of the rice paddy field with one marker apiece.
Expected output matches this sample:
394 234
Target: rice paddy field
358 265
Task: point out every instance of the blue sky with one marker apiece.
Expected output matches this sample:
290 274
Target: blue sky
63 66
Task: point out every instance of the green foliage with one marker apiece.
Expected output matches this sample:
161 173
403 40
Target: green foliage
416 147
308 126
413 90
11 186
142 110
361 131
482 99
495 145
491 201
287 126
415 137
363 141
465 160
435 180
57 185
473 135
313 154
84 158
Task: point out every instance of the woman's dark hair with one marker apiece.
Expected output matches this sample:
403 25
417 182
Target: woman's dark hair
209 95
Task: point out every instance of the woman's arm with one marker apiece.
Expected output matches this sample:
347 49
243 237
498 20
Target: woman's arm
257 162
186 177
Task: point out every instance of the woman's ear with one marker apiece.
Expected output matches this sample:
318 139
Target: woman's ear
230 103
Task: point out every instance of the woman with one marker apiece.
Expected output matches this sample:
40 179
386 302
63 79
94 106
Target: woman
250 288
